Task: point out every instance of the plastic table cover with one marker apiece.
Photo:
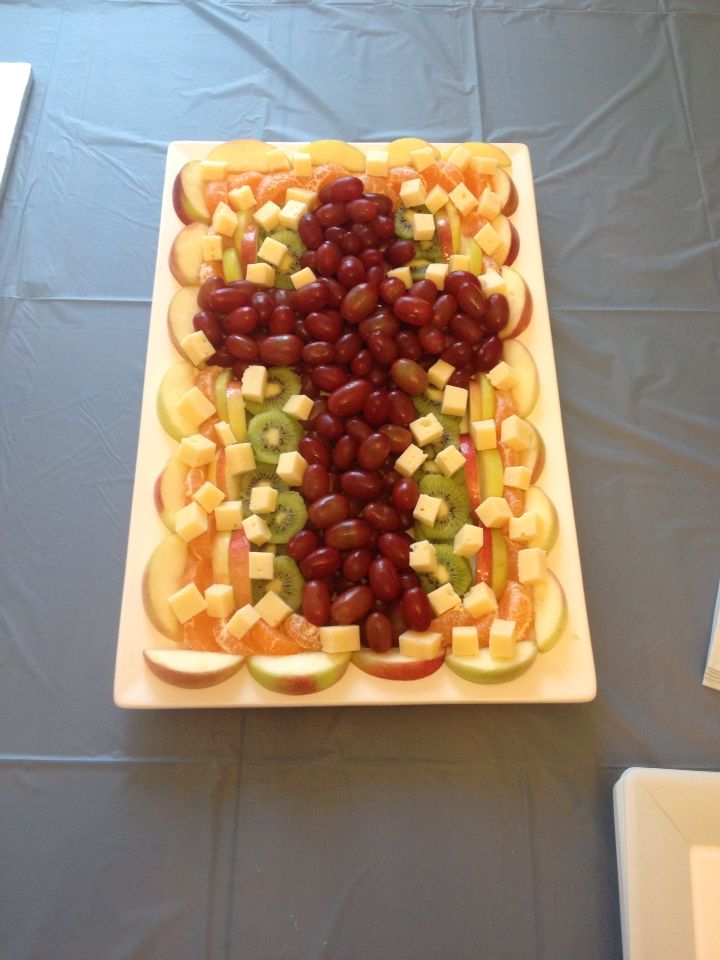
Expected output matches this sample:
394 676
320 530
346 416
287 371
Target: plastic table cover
349 833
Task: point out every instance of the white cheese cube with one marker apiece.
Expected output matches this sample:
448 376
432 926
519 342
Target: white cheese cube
463 199
291 468
243 620
517 477
224 220
261 273
427 509
494 512
272 250
465 641
515 433
532 565
220 600
423 226
437 273
502 376
301 278
195 406
229 515
239 458
459 261
484 434
223 431
450 460
254 383
196 450
241 198
402 273
187 602
292 213
212 247
502 639
524 527
268 216
412 192
298 406
491 283
261 566
460 156
410 460
427 429
208 496
420 645
436 199
422 158
439 373
468 540
485 166
256 530
343 639
302 164
488 239
454 401
263 499
277 160
197 347
423 557
443 599
489 204
213 169
376 163
190 521
480 600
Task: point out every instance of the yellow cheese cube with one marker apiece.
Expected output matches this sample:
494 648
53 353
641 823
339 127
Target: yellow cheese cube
208 496
412 192
463 199
532 565
256 530
298 406
195 406
272 250
268 216
422 158
213 169
454 401
343 639
223 431
212 247
420 645
443 599
489 204
272 608
436 199
439 373
524 527
302 195
423 226
376 163
450 460
488 239
243 620
277 160
402 273
187 602
465 641
515 433
261 566
239 458
484 434
427 429
423 557
437 273
494 512
492 283
301 278
502 376
263 499
410 460
224 220
292 213
427 509
461 157
480 600
468 540
229 515
502 639
196 450
261 273
486 166
302 164
220 600
197 347
190 521
459 261
241 198
517 477
291 468
254 383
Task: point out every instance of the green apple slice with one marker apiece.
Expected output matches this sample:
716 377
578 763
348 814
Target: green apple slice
178 379
180 316
186 254
498 577
551 612
236 416
472 250
537 501
192 669
526 391
491 473
482 668
298 673
393 665
162 577
336 151
221 405
231 265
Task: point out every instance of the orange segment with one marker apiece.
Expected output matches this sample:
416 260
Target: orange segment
505 407
398 175
459 617
380 185
301 631
324 174
200 633
250 179
274 186
516 604
443 174
215 192
260 639
476 182
471 223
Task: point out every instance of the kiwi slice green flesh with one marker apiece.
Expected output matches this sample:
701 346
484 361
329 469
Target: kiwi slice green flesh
429 401
403 223
263 475
282 383
454 510
450 569
289 517
291 239
430 250
287 582
450 437
271 433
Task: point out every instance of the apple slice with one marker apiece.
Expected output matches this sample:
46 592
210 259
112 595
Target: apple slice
507 251
520 304
231 265
239 567
503 186
533 456
192 669
221 406
188 194
551 612
393 665
539 502
472 476
490 473
482 668
298 673
526 391
236 410
399 151
242 156
178 379
500 561
170 493
479 149
482 398
249 246
186 254
444 232
180 316
472 250
220 556
217 473
336 151
162 577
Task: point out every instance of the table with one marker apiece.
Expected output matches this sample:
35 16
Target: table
412 832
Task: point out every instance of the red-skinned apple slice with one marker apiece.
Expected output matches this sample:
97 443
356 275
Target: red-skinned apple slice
491 561
551 612
178 379
509 246
192 669
533 456
526 391
472 478
444 232
537 501
483 668
503 186
393 665
186 254
520 304
180 316
297 674
239 567
170 492
162 577
249 246
218 475
189 194
242 156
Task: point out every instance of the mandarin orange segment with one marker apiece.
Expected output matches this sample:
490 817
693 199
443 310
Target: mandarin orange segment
476 182
301 631
443 174
250 179
380 185
515 499
505 407
459 617
324 174
516 603
194 479
398 175
200 633
273 187
513 548
270 640
471 222
215 193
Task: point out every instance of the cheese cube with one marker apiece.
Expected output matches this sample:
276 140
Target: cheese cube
459 261
485 166
268 216
423 557
489 204
517 477
343 639
254 383
427 429
454 401
422 158
494 512
241 198
195 406
261 273
212 247
524 527
229 515
502 639
196 450
197 347
412 192
213 169
277 160
261 566
463 199
468 540
402 273
465 642
256 530
190 521
503 377
437 273
488 239
298 406
425 645
291 468
239 458
461 157
480 600
292 213
484 434
243 620
423 226
515 433
302 164
410 460
439 373
224 220
302 195
492 283
220 600
263 499
427 509
272 250
443 599
532 565
376 163
450 460
187 602
208 496
223 431
301 278
272 608
436 199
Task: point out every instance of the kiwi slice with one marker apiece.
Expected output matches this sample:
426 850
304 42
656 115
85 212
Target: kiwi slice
450 436
403 223
282 383
290 263
271 433
290 516
450 569
287 582
430 250
263 475
429 401
454 509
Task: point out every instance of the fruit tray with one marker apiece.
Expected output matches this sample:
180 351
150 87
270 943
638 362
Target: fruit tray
563 673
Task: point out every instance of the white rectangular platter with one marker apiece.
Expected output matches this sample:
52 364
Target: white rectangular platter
564 674
15 81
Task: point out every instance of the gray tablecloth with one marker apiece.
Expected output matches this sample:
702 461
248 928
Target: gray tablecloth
407 833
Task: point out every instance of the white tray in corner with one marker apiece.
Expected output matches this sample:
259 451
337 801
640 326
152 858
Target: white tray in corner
15 79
